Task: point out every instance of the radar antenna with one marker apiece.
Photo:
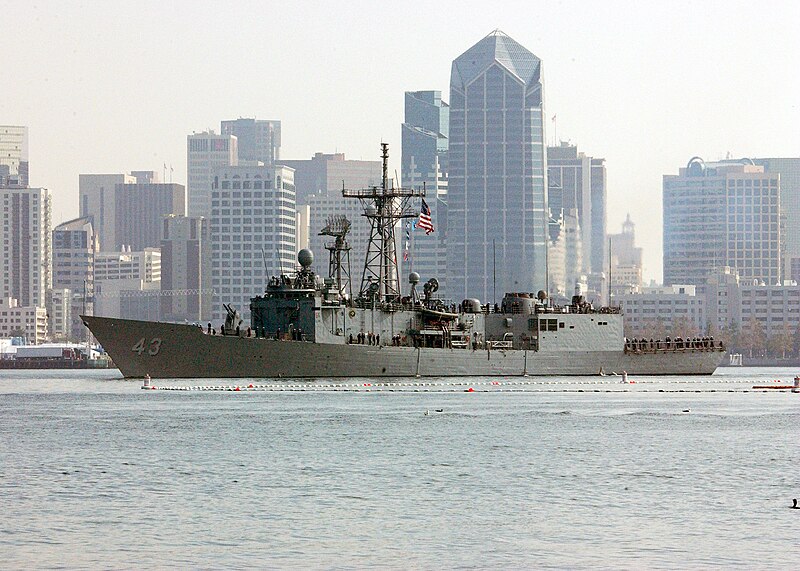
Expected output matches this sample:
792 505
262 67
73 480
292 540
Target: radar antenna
384 207
339 266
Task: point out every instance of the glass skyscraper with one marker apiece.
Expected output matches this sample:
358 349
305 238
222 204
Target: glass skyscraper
497 190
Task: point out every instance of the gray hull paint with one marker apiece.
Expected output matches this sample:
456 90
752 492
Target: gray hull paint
167 350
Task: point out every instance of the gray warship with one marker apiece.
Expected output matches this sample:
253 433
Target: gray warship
308 326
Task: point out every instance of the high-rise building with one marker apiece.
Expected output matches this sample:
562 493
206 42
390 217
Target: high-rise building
497 190
13 155
97 193
140 209
74 248
252 233
626 260
721 214
565 262
319 182
258 140
326 173
425 133
206 152
25 268
185 281
789 171
577 182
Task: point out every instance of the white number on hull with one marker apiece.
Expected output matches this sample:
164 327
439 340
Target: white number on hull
155 346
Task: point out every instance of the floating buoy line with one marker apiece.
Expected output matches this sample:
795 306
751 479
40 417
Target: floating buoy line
524 385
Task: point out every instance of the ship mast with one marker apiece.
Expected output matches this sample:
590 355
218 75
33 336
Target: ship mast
384 207
339 260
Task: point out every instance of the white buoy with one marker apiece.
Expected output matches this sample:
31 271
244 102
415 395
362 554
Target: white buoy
624 376
796 387
146 384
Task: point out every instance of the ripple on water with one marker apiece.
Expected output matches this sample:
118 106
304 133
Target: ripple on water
105 475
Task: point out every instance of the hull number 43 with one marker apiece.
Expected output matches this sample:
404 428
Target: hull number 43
152 348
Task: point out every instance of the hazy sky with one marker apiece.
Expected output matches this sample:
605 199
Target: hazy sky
116 86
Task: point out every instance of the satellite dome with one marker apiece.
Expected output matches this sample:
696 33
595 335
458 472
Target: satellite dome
305 257
413 278
370 210
541 295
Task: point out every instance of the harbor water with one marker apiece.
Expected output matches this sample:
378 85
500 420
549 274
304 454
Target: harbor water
562 473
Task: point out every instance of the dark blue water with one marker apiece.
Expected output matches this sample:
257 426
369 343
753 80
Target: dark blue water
96 473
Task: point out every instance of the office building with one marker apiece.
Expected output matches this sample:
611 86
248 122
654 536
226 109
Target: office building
789 171
26 254
626 260
140 209
734 303
97 195
258 140
325 173
319 182
577 182
721 214
747 315
253 233
74 248
128 284
206 152
565 267
674 310
185 269
29 322
126 209
497 190
58 304
425 133
14 156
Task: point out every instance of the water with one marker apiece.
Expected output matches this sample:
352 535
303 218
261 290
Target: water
96 473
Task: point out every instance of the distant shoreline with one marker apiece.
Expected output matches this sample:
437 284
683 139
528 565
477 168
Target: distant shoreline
765 362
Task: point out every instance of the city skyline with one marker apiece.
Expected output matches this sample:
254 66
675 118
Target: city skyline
665 88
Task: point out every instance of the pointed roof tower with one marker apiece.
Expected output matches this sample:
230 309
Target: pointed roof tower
500 48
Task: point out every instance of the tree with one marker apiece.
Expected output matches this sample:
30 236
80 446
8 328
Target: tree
796 340
684 327
782 342
753 337
652 329
730 336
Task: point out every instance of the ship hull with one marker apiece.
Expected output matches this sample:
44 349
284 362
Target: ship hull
169 350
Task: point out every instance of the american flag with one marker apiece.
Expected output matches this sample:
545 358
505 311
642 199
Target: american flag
425 222
408 239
